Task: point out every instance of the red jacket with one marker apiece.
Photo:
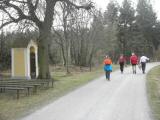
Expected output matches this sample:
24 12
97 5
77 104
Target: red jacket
121 59
134 59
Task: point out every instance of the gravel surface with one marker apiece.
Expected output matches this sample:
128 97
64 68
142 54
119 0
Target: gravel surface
122 98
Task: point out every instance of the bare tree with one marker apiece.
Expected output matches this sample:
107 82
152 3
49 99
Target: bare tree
62 34
30 10
79 28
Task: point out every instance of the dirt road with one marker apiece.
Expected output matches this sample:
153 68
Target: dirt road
122 98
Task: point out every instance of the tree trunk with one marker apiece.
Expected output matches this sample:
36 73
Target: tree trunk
63 55
90 59
43 57
43 41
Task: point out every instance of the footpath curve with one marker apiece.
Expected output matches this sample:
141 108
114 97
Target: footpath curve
122 98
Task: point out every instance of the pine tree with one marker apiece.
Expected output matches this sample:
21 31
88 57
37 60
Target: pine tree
110 21
125 22
146 21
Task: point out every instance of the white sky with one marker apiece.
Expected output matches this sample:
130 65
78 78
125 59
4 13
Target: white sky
103 4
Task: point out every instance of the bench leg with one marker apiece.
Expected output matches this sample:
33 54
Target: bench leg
1 90
17 94
35 89
28 91
52 83
48 84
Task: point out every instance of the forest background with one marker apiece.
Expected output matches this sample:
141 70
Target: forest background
83 38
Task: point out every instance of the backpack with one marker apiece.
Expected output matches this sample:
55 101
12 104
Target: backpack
134 59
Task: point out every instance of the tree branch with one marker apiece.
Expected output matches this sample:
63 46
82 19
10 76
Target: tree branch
2 8
20 12
87 6
32 16
6 23
36 4
60 38
23 2
32 9
30 6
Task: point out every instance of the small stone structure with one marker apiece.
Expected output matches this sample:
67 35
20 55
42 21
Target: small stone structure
24 59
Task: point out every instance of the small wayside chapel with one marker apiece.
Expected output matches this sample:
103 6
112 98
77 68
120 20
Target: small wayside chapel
24 59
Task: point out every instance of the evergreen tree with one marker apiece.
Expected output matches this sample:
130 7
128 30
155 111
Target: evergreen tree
146 21
125 23
110 21
111 13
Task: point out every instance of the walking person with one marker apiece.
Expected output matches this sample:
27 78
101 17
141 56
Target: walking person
134 62
107 67
121 62
143 61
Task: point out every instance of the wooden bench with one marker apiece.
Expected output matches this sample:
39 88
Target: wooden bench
40 81
13 88
21 84
25 85
28 87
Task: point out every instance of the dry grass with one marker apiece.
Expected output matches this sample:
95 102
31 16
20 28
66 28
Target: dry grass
153 85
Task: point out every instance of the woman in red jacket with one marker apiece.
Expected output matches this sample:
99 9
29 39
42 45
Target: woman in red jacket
134 62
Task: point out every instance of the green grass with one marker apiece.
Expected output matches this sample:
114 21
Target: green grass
11 108
153 87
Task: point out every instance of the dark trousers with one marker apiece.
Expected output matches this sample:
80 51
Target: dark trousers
108 75
143 66
134 68
121 66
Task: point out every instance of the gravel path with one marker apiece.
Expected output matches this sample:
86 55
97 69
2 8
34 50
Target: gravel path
122 98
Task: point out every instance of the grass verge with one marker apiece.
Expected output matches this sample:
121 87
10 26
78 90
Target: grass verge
12 109
153 86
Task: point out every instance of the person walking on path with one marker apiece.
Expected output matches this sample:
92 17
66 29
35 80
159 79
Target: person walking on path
134 62
107 67
143 61
121 62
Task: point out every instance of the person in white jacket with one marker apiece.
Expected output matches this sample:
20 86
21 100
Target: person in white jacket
143 61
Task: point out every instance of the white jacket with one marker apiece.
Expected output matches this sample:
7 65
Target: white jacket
144 59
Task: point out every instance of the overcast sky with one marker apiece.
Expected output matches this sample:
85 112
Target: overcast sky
103 3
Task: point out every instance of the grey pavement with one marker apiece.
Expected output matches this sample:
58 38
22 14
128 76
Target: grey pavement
122 98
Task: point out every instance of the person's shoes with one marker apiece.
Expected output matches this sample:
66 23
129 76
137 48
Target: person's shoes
134 72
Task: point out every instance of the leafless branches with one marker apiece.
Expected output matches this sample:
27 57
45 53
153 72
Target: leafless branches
86 6
18 10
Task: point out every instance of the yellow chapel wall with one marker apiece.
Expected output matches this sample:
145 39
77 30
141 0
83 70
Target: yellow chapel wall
19 62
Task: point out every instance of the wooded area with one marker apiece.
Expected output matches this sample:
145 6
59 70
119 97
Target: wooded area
69 33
